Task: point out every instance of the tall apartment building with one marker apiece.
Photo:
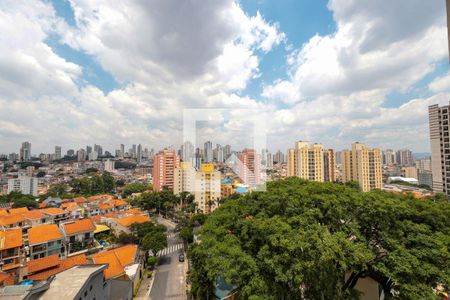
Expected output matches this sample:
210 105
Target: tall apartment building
362 165
207 188
389 157
278 158
184 178
249 167
58 152
204 184
208 152
164 165
329 165
81 155
440 147
25 151
311 162
423 164
405 157
25 184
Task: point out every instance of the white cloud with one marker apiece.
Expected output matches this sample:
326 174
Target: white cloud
440 84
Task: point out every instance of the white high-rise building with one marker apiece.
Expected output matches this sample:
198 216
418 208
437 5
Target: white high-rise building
405 157
208 153
81 155
57 152
389 157
109 165
25 151
25 184
93 155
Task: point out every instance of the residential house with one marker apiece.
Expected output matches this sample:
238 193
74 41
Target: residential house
11 221
11 249
73 208
119 205
78 231
123 263
34 218
120 225
105 208
56 215
45 240
55 266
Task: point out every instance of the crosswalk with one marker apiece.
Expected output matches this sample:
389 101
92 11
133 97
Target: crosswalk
171 235
170 249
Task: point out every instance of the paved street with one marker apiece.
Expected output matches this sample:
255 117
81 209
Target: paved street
170 277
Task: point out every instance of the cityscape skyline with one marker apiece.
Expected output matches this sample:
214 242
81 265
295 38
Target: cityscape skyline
335 77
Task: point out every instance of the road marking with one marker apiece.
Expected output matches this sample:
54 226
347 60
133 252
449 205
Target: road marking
170 249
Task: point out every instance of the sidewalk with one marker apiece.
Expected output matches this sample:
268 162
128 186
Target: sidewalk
144 289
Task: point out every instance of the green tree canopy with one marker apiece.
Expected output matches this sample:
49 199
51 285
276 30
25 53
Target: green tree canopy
135 187
310 240
154 241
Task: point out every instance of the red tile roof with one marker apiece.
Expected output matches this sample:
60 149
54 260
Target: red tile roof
10 239
42 263
80 200
19 210
7 279
128 221
44 233
33 215
117 259
53 211
11 219
64 264
79 226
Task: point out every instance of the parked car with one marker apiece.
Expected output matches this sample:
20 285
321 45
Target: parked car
181 258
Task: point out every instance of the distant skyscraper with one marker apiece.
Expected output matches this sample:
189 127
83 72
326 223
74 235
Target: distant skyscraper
25 151
405 157
226 152
362 165
389 157
122 150
88 150
93 155
57 152
81 155
133 151
440 147
98 149
70 152
424 164
139 153
208 152
187 151
279 157
249 167
164 165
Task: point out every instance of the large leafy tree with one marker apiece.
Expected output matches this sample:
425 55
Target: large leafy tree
309 240
154 241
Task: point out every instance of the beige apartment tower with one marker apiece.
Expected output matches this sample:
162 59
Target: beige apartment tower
440 147
205 184
362 165
311 162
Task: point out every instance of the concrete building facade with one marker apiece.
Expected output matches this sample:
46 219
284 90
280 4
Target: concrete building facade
362 165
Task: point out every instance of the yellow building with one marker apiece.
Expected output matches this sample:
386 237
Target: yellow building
309 162
205 184
184 178
362 165
207 188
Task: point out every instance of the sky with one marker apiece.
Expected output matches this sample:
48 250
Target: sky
78 72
